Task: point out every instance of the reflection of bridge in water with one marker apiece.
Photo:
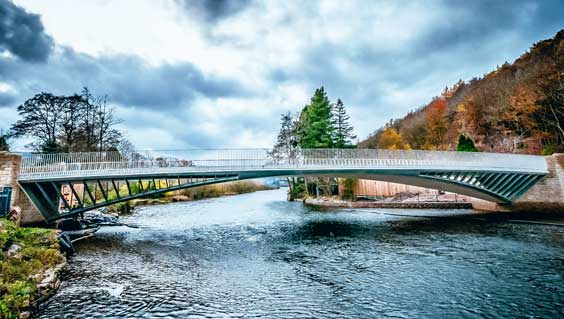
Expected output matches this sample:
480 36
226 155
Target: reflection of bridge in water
96 180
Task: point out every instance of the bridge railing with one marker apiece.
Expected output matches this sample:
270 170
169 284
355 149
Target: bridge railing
98 163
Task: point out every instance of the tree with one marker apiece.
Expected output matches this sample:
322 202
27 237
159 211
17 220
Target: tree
315 130
347 186
106 135
4 145
41 120
285 150
390 139
88 133
436 122
316 125
68 123
286 143
127 149
550 112
465 144
343 131
70 117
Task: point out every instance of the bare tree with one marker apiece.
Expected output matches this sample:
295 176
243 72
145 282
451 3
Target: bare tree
70 117
106 135
286 142
551 111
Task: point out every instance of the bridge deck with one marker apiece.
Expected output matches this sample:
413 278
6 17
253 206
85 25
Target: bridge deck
495 177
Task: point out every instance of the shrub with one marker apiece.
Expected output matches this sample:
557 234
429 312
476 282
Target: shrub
548 149
465 144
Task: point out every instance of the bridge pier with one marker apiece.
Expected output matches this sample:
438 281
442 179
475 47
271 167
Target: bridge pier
9 170
548 194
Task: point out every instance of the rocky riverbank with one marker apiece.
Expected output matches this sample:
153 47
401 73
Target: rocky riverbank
31 264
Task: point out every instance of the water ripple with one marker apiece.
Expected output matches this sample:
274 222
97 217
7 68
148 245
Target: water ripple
257 256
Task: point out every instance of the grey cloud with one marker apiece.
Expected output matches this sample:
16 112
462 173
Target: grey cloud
185 130
318 68
6 99
129 82
22 33
472 23
377 82
213 10
126 79
465 43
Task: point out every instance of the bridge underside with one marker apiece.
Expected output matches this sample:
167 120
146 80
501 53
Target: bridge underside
72 196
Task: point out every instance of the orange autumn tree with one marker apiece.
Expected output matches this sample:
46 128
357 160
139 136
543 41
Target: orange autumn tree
436 122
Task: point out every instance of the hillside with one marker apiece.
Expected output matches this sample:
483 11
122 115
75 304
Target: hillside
517 108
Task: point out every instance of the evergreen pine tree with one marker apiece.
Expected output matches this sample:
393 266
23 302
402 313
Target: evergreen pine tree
316 127
343 130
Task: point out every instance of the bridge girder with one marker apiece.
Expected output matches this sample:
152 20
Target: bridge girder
46 194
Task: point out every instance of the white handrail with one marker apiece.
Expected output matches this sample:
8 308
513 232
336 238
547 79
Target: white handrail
171 161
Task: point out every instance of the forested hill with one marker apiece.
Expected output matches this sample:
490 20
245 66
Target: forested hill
517 108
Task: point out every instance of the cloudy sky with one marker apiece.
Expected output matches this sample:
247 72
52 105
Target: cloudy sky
213 74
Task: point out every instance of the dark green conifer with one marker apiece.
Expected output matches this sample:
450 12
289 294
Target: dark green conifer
465 144
343 130
316 127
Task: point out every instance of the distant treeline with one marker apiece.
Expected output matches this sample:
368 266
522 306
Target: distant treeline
517 108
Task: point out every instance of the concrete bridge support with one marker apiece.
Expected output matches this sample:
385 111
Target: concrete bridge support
548 194
9 171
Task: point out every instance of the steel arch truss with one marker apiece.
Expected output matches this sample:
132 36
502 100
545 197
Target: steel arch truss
65 198
505 186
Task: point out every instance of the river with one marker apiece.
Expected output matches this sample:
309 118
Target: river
257 255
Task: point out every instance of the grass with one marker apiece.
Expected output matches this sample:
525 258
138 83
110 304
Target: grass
39 251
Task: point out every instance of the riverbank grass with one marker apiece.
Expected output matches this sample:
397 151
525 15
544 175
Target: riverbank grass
26 252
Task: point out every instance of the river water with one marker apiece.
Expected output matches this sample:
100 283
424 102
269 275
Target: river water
257 255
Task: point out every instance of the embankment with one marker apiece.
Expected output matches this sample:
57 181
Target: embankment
31 264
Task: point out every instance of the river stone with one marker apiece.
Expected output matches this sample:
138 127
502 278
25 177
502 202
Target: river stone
13 251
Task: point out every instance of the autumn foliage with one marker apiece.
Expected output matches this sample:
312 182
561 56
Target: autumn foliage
516 108
392 140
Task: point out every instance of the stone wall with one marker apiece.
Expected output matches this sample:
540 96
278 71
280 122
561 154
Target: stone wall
9 170
548 194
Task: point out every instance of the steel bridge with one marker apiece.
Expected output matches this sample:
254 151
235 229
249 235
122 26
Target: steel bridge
62 185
